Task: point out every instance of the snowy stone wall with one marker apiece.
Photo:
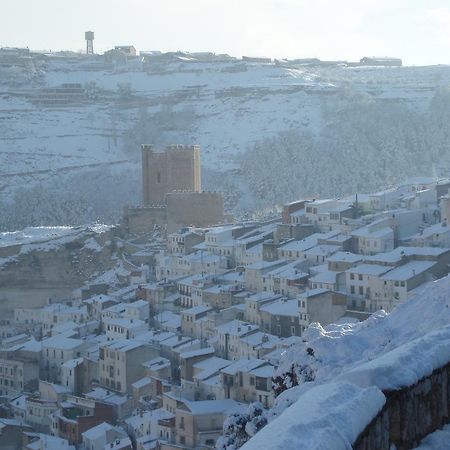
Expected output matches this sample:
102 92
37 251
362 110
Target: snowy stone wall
409 414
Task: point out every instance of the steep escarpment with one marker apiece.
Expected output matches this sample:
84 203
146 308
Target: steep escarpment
38 264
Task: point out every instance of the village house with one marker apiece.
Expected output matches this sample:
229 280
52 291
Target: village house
320 305
73 375
322 278
228 337
95 305
220 296
374 238
359 280
190 316
240 383
157 424
101 436
120 363
159 371
437 235
256 345
190 358
205 327
77 415
393 286
138 309
315 208
254 303
281 318
182 241
286 280
56 351
156 294
255 272
122 328
18 374
198 423
122 405
40 406
206 378
341 261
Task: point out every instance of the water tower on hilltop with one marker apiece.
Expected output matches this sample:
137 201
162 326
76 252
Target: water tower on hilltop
89 36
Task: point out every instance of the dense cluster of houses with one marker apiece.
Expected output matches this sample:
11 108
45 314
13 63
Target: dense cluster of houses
159 358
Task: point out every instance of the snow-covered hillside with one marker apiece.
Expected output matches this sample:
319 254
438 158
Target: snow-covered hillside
83 159
334 380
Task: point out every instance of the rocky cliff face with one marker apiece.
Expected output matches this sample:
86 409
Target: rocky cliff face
53 269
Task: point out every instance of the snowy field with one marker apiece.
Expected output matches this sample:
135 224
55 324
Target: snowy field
225 107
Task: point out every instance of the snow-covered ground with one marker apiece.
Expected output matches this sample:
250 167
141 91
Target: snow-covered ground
47 239
387 351
39 235
225 107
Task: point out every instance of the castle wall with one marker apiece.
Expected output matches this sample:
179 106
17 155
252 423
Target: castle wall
175 168
155 182
199 209
144 219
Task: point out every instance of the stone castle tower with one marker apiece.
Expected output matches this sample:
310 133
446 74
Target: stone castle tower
173 169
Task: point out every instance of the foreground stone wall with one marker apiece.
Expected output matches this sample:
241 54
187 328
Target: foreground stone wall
409 414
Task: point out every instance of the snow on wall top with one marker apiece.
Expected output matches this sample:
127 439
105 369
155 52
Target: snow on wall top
330 416
405 365
350 365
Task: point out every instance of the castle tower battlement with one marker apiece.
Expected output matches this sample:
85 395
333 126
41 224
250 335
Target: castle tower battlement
177 167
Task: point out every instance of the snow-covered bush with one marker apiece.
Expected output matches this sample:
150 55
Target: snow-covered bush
297 373
238 427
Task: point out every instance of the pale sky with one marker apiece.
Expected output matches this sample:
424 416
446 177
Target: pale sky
418 31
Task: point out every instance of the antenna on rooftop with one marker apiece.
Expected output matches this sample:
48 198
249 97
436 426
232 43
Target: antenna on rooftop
89 37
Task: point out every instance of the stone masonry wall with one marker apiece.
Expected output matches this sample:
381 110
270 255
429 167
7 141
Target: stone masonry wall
409 414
